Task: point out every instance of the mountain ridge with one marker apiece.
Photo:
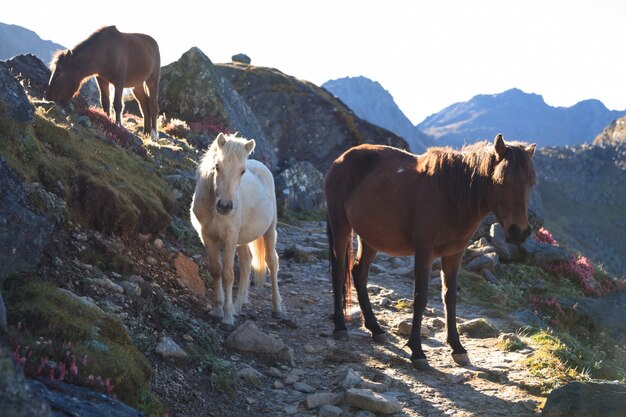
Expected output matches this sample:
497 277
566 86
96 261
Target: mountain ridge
15 40
519 115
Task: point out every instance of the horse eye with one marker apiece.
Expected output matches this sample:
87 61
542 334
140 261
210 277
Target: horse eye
243 172
217 169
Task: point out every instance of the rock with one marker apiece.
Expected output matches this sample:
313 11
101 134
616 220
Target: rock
108 285
23 233
31 72
371 401
13 100
131 289
250 375
188 275
504 249
241 58
349 378
478 328
299 187
542 254
487 261
330 411
167 348
322 398
303 387
364 413
194 90
248 338
72 400
587 399
404 329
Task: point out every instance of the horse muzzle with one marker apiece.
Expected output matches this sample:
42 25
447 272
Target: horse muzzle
516 234
224 207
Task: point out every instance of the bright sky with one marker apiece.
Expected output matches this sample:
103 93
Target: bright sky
427 54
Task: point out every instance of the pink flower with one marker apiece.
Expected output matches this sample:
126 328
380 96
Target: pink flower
73 367
90 379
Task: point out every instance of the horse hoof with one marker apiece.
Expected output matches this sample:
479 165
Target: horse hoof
340 334
277 314
421 364
461 359
227 327
380 338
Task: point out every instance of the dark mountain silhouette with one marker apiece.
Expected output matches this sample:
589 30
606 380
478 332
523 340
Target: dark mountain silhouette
15 40
521 116
370 101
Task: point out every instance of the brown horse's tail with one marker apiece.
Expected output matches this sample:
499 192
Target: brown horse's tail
349 261
259 265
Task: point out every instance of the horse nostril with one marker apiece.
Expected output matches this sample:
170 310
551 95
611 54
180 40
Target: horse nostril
514 231
526 233
224 206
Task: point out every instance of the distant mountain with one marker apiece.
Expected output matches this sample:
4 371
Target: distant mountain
15 40
370 101
520 116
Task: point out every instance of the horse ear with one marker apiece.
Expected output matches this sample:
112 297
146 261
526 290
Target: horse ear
250 145
221 139
531 149
500 147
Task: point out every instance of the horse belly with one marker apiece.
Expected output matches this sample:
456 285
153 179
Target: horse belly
383 233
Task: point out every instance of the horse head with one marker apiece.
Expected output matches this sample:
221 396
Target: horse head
65 79
230 157
513 175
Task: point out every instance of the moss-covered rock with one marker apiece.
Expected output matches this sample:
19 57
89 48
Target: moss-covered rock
53 324
106 188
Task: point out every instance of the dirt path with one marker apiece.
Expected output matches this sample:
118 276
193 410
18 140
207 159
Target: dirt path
489 387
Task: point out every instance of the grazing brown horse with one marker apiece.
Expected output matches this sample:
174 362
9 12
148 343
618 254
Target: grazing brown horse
129 60
427 206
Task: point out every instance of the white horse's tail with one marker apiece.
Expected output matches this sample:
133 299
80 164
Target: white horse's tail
259 265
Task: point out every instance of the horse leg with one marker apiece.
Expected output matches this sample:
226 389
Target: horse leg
339 234
105 101
215 268
142 100
271 259
117 102
365 257
152 84
228 272
450 269
423 265
245 265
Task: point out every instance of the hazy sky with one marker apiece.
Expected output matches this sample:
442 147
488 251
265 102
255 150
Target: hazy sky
427 54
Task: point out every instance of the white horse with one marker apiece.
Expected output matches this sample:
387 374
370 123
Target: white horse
234 208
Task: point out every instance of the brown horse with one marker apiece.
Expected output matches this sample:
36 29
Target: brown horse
122 59
427 206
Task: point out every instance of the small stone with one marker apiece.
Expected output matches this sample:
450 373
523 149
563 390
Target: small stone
290 410
188 337
250 375
349 378
167 348
478 328
158 243
151 260
330 411
278 385
322 398
276 373
404 329
371 401
303 387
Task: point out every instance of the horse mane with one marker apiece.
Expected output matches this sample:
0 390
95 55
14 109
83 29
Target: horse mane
87 43
467 174
234 147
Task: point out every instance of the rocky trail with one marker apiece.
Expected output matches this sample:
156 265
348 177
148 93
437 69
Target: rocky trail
355 377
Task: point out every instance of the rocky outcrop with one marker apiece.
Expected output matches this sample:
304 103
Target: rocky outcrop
302 120
613 133
23 233
31 72
13 101
587 399
192 89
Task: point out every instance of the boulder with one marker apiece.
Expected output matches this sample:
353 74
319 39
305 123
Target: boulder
23 233
299 187
193 89
478 328
587 399
241 58
13 101
188 275
542 254
31 72
300 119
